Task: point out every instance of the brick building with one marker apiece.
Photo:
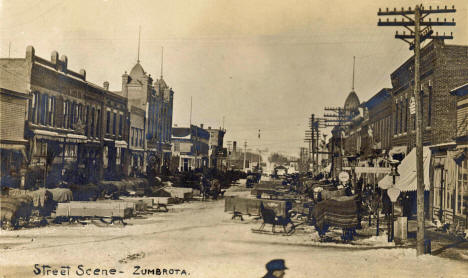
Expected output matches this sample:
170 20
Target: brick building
190 147
378 118
76 130
13 158
443 67
156 100
215 152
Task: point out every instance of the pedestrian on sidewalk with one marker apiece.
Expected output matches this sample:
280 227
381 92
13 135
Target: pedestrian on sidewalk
275 269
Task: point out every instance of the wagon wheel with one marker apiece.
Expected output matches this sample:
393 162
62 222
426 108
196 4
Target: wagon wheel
120 219
104 221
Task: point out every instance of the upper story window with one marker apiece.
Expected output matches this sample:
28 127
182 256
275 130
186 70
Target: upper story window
114 121
108 118
120 124
35 107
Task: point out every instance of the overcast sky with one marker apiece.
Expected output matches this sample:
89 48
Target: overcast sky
262 65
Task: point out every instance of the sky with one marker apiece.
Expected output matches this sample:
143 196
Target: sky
259 65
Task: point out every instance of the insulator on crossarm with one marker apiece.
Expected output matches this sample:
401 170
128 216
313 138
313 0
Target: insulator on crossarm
438 7
394 9
409 8
404 33
437 33
396 33
451 34
430 7
445 7
388 20
402 8
445 20
387 9
453 7
437 19
453 19
429 19
380 9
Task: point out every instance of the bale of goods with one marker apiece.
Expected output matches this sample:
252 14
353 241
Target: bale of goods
332 213
328 194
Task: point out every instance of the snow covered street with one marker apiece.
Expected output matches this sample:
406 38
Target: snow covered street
198 239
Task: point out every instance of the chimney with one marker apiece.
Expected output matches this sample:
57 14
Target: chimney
54 58
106 85
83 73
30 52
201 126
64 63
234 146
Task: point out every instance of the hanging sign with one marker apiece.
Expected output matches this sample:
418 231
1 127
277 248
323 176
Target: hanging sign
343 176
412 106
393 193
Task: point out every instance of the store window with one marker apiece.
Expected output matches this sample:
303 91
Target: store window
462 187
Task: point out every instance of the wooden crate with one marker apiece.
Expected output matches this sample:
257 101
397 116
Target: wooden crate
95 209
148 201
180 192
163 200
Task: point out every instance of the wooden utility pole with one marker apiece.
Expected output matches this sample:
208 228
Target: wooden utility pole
418 37
245 153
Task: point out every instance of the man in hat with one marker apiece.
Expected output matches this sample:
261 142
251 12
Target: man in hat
276 269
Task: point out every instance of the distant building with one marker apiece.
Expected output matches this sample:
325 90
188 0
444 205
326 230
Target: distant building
216 151
156 100
190 147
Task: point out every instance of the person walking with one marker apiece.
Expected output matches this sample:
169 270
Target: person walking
275 269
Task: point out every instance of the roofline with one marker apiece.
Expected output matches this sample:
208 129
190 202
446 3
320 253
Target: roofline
14 93
458 90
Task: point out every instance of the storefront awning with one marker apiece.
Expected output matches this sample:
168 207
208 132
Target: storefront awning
76 138
121 144
407 169
372 170
397 150
13 147
48 135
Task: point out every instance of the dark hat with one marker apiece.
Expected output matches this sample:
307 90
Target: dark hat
275 265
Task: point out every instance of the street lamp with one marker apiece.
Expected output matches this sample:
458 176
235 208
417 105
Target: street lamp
393 194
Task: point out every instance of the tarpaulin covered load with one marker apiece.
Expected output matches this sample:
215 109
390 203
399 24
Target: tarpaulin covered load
61 195
86 192
39 197
252 206
12 208
407 169
160 192
342 214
